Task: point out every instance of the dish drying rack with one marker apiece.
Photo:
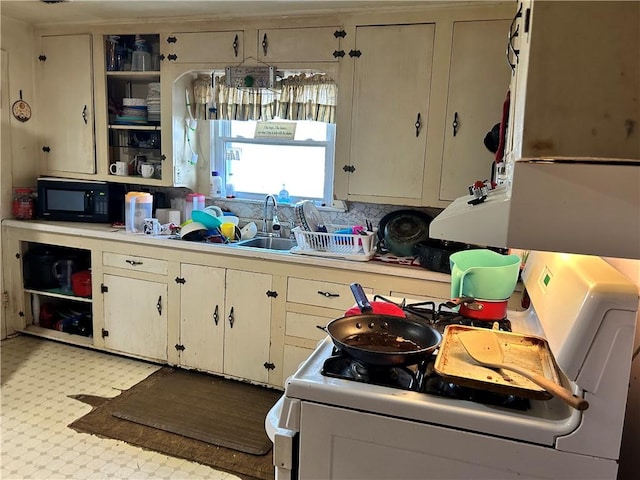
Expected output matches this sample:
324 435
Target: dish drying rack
347 246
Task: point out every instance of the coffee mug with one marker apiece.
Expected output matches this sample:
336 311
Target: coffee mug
119 168
152 226
146 170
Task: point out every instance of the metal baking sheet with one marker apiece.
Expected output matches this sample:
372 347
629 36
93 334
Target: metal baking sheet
526 351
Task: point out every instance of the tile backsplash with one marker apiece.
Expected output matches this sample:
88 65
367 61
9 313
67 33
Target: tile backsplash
356 212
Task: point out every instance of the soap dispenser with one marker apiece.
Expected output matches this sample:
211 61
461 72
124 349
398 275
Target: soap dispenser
283 195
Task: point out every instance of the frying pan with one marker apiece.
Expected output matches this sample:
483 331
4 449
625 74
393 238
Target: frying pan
383 340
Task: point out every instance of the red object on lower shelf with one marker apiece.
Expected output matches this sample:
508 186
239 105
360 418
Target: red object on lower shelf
81 283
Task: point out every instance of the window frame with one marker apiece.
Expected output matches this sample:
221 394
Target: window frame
221 135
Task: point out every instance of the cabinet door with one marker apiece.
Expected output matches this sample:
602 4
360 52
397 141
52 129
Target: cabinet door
248 327
478 83
316 44
387 148
65 104
135 317
202 317
206 47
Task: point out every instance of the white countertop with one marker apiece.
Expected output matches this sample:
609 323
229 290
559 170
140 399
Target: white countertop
104 231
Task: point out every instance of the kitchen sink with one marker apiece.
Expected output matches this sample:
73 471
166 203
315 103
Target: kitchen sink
269 243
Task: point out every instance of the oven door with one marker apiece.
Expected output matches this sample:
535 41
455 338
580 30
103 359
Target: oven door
285 443
338 443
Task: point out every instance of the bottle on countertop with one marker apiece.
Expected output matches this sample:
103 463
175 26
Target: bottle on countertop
283 195
216 186
230 189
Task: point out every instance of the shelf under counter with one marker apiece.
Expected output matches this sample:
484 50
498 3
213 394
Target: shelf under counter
51 334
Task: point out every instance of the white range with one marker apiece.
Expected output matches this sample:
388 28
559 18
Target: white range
333 428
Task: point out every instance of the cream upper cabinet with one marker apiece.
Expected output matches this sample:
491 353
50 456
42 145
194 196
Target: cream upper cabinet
205 47
225 321
391 88
313 44
577 90
64 90
478 84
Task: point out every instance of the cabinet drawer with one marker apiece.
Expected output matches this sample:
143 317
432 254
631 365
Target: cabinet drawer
305 326
321 294
135 263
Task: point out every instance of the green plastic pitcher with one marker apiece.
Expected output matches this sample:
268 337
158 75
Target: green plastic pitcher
483 274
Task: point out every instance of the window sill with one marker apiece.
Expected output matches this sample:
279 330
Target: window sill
338 206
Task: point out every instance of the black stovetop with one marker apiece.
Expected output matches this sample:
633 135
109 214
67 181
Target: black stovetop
422 377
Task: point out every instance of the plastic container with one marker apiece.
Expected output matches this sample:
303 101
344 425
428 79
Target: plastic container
138 206
230 189
193 201
483 274
141 58
216 186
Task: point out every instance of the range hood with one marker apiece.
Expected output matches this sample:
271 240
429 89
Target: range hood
571 179
574 206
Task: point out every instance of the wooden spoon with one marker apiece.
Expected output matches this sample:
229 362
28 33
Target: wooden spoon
484 348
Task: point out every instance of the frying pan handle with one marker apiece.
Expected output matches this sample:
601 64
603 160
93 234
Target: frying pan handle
361 298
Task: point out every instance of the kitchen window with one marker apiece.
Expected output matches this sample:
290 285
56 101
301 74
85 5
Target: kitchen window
303 165
253 161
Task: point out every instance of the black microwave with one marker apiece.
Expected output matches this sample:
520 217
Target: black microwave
70 200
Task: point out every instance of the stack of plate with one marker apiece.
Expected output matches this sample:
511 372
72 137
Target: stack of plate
134 111
308 217
153 102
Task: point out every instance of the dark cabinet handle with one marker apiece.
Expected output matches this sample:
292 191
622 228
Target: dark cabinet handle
133 262
513 34
231 319
84 114
265 45
418 124
455 124
235 46
215 315
159 305
328 294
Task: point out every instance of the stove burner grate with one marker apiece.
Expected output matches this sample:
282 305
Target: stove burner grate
422 377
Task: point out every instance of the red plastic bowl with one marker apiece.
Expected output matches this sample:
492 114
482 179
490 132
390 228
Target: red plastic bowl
81 283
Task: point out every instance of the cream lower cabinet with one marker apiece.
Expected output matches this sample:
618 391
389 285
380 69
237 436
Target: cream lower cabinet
225 321
310 303
135 317
135 305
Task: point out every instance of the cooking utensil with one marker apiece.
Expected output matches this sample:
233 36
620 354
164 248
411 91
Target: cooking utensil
434 254
483 273
489 310
382 340
403 229
484 348
364 306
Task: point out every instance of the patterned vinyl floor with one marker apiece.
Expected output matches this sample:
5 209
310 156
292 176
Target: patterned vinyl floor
37 378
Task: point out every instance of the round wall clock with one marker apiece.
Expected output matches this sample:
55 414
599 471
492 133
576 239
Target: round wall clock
21 109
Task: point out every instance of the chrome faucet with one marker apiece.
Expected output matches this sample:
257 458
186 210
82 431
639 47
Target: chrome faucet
274 228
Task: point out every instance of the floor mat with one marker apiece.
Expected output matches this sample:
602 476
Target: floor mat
190 415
